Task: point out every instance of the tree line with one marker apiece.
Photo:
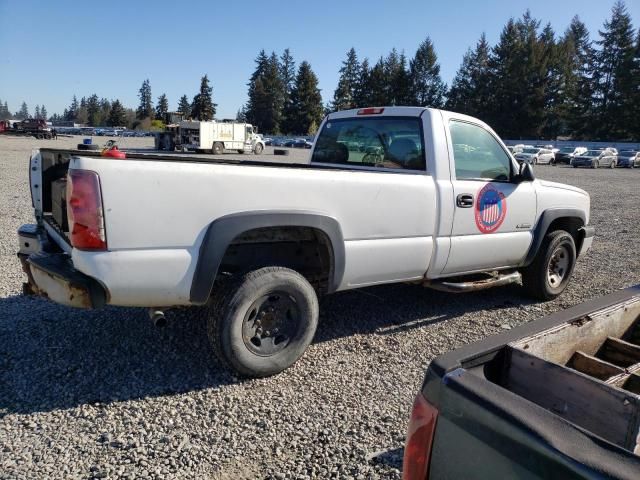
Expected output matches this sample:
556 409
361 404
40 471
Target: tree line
283 99
533 83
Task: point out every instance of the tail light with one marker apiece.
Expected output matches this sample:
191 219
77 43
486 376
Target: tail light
84 210
370 111
417 451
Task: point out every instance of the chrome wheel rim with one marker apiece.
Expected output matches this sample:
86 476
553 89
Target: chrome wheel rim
558 266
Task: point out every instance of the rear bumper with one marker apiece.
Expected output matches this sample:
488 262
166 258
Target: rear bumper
52 274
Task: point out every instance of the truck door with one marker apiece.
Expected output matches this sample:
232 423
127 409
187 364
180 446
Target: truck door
494 213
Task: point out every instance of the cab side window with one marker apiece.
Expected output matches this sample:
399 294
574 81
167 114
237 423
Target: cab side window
477 154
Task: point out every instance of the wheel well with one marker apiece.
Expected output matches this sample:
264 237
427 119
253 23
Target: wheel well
572 225
306 250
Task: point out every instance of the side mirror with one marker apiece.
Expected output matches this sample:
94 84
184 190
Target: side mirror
526 173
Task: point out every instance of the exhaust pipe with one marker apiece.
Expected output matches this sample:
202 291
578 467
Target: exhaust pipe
157 317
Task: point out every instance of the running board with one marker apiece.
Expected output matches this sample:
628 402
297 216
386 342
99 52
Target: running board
494 280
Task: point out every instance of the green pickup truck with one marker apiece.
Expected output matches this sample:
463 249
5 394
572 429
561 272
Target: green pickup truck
556 398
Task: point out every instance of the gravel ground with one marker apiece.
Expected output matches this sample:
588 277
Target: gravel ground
103 394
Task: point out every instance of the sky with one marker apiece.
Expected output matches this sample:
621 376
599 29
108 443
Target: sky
51 50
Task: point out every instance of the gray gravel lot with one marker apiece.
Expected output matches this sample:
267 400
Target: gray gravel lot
103 394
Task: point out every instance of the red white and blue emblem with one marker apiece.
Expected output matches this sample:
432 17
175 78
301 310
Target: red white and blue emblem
491 208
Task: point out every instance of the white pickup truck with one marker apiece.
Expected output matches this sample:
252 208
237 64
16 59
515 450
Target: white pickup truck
394 194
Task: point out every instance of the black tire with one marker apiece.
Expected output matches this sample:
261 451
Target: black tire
538 278
535 160
82 146
595 164
218 148
240 308
258 149
278 151
240 152
612 164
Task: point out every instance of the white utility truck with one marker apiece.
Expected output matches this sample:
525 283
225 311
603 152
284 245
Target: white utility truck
394 194
216 137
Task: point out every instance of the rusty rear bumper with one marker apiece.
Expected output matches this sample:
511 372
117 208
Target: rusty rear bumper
52 275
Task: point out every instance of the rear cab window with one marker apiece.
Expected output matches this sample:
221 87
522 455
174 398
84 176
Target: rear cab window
477 154
394 143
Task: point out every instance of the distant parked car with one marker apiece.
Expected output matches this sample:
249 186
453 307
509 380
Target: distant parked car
629 159
267 141
535 155
278 142
566 154
595 159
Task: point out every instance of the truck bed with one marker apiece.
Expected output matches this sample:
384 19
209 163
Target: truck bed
558 397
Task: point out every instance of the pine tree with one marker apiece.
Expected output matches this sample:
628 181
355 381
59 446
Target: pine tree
401 83
117 115
287 69
428 89
362 87
553 122
613 81
93 111
43 112
305 110
72 112
266 94
145 108
505 78
162 109
4 111
203 107
82 115
37 112
184 106
345 93
241 116
378 85
578 66
23 113
469 93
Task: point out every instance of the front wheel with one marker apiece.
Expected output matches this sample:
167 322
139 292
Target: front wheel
263 321
595 164
258 149
612 164
551 269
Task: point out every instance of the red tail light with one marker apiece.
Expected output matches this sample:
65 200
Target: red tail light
417 451
84 210
370 111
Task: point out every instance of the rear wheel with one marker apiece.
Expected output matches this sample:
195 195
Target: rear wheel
263 321
218 148
241 151
551 269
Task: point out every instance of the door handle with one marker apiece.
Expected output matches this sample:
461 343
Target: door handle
464 200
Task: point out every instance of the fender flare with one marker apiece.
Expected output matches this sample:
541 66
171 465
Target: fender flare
546 219
221 232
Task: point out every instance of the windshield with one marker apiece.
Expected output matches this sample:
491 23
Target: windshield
530 150
592 153
567 150
628 152
387 142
